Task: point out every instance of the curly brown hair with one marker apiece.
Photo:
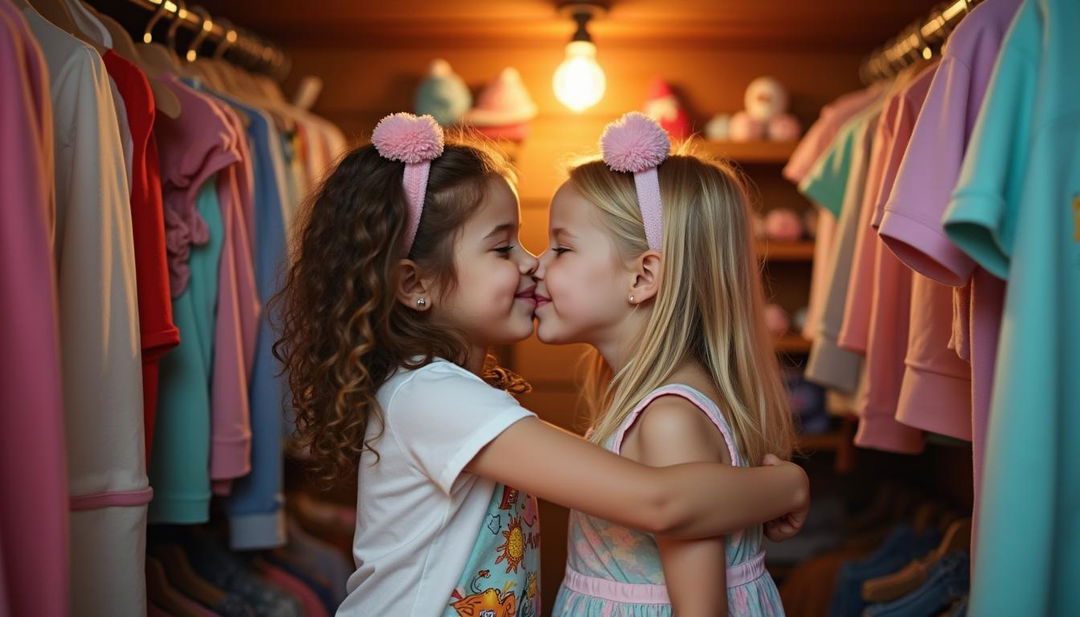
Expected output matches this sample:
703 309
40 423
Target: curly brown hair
343 332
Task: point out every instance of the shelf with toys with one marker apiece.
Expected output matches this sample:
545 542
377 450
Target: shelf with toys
747 152
791 343
799 250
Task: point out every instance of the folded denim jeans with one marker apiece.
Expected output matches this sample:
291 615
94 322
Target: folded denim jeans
949 579
901 546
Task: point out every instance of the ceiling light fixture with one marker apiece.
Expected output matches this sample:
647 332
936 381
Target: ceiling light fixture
579 81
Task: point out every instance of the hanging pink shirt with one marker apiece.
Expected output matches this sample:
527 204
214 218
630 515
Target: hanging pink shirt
876 318
915 233
34 499
820 135
209 139
813 146
237 317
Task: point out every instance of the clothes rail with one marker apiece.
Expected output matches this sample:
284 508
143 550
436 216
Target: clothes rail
235 44
921 39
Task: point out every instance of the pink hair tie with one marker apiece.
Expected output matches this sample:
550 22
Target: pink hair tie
415 141
635 143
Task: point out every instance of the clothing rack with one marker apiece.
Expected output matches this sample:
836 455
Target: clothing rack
237 45
921 39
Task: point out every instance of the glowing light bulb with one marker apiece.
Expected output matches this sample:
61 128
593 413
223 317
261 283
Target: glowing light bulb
579 81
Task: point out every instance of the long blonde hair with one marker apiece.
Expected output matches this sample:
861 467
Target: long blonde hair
709 307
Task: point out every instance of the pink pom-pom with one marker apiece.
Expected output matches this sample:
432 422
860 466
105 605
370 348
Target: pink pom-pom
634 143
408 138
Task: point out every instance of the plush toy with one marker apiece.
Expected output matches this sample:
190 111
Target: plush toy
799 318
745 128
765 114
783 225
662 105
777 320
719 127
443 95
504 108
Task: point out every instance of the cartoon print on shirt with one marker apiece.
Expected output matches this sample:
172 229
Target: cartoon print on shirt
527 604
530 514
513 549
509 498
513 538
490 603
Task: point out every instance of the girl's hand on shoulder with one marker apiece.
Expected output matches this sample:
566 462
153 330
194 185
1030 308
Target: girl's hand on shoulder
788 525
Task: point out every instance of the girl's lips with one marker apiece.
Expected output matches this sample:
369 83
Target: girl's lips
541 300
528 294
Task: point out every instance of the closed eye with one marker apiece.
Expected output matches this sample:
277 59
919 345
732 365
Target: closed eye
559 250
505 250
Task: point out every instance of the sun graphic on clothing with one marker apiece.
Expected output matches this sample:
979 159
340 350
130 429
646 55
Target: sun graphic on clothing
513 549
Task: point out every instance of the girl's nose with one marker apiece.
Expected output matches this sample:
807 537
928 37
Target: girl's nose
528 263
541 266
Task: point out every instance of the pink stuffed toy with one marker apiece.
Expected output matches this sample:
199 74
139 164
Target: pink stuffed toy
765 115
783 225
744 127
777 320
504 108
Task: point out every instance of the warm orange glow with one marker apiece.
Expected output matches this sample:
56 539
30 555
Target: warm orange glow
579 81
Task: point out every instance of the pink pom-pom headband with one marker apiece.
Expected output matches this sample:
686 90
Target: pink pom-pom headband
415 141
635 143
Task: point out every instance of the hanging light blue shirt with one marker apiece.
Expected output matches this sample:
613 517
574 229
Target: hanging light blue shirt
1016 211
256 517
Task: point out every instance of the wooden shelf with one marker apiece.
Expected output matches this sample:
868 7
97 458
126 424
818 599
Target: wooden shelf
802 250
839 441
825 442
773 152
792 343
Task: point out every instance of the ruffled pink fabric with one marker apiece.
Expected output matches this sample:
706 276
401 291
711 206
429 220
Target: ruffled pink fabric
183 228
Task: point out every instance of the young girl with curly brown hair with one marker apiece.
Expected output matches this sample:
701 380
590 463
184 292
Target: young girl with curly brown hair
406 270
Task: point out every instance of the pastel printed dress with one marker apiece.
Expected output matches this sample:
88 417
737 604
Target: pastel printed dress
502 576
613 571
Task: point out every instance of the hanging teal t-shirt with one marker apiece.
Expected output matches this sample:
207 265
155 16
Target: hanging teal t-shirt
1016 211
502 576
180 458
826 183
256 505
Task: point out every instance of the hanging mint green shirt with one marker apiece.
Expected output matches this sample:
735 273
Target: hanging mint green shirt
1016 211
180 459
827 181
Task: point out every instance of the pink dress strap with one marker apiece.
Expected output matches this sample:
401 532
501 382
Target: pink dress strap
702 402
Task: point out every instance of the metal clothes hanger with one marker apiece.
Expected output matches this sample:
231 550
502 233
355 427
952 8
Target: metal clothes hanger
156 56
165 100
57 13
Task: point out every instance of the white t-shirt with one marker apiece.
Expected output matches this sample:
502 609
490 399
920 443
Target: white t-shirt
417 514
99 332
